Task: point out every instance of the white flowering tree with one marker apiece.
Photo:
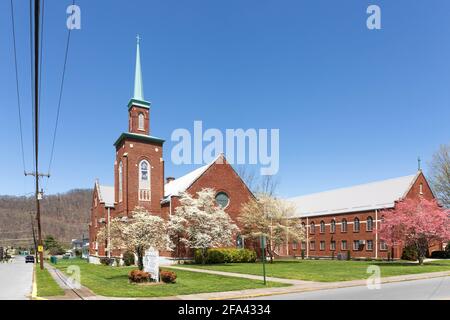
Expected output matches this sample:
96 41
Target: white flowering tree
138 233
200 223
272 218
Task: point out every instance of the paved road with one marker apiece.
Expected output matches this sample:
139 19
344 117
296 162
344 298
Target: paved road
430 289
16 280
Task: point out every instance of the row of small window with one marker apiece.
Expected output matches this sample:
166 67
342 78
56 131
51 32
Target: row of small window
344 226
357 245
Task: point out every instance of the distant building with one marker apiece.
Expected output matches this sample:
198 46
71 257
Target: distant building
81 245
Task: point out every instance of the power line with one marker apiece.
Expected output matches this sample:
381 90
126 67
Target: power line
41 55
36 123
17 86
60 98
31 78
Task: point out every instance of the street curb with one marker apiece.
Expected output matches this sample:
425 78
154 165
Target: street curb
387 281
34 295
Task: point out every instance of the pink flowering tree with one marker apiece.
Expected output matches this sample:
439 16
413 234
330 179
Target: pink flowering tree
418 223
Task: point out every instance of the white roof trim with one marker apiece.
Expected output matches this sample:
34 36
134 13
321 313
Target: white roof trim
106 195
180 185
366 197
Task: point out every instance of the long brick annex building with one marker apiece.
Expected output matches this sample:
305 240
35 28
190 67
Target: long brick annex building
336 221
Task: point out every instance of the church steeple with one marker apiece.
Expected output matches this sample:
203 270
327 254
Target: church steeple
138 107
138 83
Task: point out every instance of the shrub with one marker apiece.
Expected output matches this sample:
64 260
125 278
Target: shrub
410 254
138 276
303 254
226 255
349 255
215 256
128 259
440 255
168 276
106 261
78 253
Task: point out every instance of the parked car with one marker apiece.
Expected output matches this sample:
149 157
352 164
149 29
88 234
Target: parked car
29 259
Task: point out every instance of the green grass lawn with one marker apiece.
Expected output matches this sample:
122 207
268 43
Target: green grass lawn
329 270
113 282
46 285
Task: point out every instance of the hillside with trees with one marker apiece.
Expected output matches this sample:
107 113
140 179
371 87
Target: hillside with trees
64 216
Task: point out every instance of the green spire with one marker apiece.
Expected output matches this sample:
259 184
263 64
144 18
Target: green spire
138 83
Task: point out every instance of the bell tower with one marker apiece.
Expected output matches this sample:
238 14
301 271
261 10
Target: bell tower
139 165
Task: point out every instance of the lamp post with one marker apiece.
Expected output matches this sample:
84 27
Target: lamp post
263 249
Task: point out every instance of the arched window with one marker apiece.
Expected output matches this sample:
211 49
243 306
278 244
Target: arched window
369 226
322 226
141 121
240 242
356 225
333 226
120 181
344 225
144 181
312 228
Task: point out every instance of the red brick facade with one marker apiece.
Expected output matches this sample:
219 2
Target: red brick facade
132 149
221 177
327 238
324 242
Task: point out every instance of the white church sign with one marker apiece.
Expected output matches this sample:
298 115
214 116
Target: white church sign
151 263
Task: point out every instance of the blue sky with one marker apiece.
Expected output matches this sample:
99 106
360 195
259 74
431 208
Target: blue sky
352 105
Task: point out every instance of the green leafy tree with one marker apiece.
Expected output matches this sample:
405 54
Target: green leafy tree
53 246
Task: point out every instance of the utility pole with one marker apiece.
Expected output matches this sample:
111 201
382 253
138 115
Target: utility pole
36 174
39 196
34 236
263 249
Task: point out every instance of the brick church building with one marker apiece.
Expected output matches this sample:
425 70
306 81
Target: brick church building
139 177
336 221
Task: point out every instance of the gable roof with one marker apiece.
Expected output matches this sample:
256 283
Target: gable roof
180 185
370 196
106 195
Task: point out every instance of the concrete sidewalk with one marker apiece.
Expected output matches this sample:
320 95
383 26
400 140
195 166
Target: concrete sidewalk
297 285
242 275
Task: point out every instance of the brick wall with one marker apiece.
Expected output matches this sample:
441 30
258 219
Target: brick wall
136 152
420 188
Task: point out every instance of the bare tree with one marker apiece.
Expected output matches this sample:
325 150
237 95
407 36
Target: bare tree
272 218
268 185
262 185
440 174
